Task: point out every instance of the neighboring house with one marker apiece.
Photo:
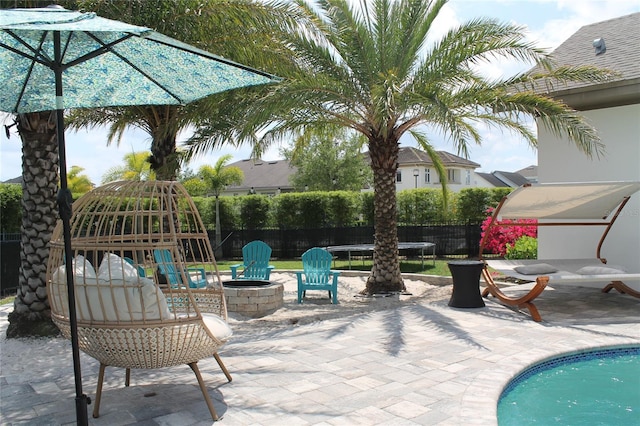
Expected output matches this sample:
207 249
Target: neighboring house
15 180
501 179
613 108
262 177
415 170
530 173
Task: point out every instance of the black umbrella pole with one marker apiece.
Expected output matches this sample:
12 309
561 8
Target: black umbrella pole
82 401
64 209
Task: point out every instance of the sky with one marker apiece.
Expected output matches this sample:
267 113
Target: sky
546 22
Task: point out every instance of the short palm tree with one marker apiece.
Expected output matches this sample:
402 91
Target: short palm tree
77 182
136 167
216 179
367 65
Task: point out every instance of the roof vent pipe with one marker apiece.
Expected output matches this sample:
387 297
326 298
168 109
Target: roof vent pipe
599 45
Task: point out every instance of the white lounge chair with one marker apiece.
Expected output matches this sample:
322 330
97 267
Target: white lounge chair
565 204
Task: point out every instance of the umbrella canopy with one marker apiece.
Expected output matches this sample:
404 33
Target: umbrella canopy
54 59
104 63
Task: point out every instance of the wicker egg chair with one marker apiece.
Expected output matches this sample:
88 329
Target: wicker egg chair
129 314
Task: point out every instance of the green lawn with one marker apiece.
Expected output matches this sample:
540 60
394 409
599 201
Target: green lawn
406 266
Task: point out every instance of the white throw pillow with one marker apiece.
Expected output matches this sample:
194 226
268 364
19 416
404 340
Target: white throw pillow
600 270
535 269
217 326
81 268
115 267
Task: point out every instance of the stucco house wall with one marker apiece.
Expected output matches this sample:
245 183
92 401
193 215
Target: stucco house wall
613 108
560 161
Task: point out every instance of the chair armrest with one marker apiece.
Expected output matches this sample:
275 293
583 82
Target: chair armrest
234 269
200 271
268 273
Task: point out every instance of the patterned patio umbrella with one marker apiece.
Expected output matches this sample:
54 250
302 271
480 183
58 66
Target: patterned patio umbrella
55 59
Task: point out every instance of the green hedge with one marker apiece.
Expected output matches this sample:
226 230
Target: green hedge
298 210
10 207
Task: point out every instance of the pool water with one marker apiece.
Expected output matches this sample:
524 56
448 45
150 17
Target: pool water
600 387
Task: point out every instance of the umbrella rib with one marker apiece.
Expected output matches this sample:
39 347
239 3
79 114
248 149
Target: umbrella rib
37 55
205 54
105 48
108 47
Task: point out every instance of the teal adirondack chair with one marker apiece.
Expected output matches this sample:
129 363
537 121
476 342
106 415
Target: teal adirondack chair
167 267
255 260
317 274
141 271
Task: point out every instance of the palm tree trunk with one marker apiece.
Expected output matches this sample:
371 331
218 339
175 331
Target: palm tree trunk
164 158
165 127
32 314
385 272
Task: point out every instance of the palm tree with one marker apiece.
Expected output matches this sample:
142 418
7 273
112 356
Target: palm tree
31 315
216 179
367 66
135 167
239 30
77 182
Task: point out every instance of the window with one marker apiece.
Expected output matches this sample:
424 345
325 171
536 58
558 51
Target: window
427 175
452 176
398 176
467 179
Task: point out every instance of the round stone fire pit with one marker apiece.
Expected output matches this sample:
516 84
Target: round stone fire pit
253 298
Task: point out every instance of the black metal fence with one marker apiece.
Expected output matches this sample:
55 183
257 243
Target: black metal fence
449 238
9 263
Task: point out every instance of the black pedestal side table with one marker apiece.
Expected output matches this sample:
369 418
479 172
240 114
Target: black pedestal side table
466 284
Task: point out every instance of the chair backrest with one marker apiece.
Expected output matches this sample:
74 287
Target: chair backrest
255 257
166 266
141 271
316 263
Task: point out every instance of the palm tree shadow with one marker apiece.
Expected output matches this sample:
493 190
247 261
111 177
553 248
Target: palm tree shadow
396 320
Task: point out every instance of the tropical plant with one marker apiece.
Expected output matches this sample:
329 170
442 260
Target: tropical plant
135 167
77 182
216 179
237 29
370 66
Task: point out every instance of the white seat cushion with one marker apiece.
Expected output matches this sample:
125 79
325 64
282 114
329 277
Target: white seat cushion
116 294
217 326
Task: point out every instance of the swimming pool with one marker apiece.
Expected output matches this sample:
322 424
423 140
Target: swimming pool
597 387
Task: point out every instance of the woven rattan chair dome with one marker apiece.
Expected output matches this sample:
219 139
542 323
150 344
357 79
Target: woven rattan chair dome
129 314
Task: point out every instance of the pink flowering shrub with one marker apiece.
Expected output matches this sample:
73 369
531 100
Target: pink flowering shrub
501 236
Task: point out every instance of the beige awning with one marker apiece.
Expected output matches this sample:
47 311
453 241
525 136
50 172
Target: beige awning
566 201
